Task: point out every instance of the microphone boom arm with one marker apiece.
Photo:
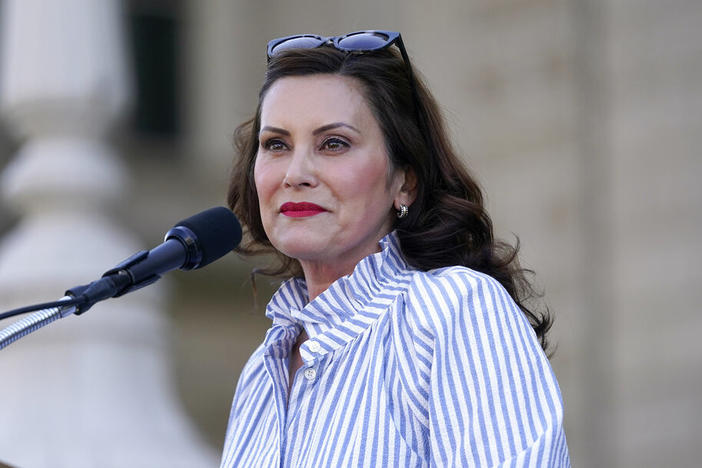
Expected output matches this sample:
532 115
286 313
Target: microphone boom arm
33 322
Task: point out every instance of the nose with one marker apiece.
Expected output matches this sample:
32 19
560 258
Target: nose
301 171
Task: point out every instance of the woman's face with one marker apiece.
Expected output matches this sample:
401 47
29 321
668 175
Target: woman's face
325 186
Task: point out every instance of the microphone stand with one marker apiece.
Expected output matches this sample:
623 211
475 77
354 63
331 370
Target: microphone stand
114 283
33 322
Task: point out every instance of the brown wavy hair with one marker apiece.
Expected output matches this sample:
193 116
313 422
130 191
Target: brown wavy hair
447 223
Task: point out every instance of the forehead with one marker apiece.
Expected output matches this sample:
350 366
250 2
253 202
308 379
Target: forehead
323 97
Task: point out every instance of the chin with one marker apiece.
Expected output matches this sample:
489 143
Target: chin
304 246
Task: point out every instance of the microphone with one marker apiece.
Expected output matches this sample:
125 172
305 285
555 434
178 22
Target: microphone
192 243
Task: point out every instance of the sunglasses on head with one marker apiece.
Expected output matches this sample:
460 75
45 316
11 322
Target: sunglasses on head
355 42
359 41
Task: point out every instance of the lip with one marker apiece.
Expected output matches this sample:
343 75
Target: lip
300 210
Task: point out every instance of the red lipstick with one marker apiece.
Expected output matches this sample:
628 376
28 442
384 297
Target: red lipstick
300 210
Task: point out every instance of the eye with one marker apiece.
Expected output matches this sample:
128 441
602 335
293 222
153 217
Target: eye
334 144
274 144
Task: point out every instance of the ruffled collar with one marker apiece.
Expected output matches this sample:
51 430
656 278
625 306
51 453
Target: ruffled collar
345 309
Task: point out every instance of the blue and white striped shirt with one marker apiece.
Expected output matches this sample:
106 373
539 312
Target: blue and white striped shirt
402 368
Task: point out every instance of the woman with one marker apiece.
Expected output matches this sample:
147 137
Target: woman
401 337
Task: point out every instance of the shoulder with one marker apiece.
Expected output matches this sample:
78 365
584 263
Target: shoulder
452 281
440 300
444 289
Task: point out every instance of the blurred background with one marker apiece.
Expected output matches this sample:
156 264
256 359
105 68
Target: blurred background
581 119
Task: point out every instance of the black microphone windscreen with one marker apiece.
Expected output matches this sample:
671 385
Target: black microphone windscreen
217 231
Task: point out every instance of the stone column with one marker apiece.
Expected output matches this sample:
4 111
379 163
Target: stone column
93 390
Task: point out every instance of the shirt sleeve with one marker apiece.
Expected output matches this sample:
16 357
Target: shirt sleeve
493 398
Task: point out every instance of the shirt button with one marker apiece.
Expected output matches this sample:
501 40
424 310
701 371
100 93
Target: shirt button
314 347
310 374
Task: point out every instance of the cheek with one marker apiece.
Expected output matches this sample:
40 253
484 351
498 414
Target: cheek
365 188
264 178
265 190
371 179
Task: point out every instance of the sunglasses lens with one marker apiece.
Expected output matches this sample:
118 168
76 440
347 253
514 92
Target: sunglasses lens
363 41
300 42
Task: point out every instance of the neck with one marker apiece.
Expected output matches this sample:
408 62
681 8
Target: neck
319 277
320 273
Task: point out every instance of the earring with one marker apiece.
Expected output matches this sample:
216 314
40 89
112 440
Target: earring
403 211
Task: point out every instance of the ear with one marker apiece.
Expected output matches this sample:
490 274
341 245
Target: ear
408 189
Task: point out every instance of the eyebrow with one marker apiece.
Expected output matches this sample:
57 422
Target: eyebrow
317 131
275 130
330 126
